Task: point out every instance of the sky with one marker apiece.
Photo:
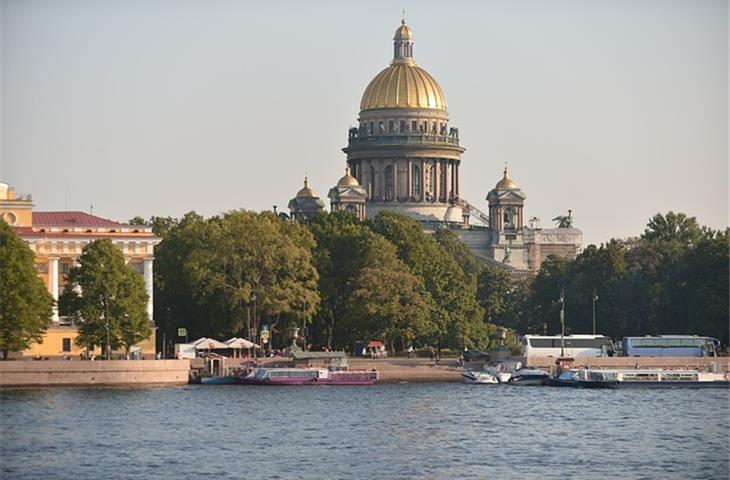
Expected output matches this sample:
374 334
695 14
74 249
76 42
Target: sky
616 110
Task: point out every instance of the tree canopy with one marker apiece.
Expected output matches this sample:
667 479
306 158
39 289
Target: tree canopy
108 299
25 304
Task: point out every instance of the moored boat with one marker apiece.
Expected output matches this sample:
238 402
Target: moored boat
529 376
308 376
649 378
479 377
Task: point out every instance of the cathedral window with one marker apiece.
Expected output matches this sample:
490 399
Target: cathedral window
414 126
371 183
391 126
381 127
371 129
442 182
402 126
389 193
416 181
430 180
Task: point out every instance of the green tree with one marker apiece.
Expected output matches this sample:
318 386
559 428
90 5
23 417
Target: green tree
243 254
25 304
137 221
108 299
389 304
344 247
457 316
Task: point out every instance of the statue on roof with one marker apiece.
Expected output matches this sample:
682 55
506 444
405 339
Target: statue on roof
564 221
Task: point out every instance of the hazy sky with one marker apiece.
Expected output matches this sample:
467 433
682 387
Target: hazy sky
615 109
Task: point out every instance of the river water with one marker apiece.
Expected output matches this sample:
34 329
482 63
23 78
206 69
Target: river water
386 431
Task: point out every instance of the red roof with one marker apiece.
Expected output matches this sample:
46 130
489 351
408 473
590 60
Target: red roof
375 344
71 219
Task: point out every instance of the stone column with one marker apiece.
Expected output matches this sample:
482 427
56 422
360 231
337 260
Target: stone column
53 285
457 179
148 284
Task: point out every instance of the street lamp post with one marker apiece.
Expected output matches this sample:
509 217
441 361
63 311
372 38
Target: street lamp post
595 298
562 323
255 324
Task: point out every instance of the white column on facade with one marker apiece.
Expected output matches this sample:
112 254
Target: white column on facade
53 285
148 284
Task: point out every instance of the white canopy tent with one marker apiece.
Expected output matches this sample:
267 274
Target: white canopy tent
241 343
209 344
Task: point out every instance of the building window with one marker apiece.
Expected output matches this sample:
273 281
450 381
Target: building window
65 267
414 126
402 126
389 182
371 187
391 126
442 182
430 179
66 344
416 181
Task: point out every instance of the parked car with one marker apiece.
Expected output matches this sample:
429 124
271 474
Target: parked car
476 356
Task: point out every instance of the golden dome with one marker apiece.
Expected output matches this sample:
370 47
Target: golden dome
403 32
306 191
506 183
403 86
348 180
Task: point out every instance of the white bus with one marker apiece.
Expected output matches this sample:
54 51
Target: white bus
574 346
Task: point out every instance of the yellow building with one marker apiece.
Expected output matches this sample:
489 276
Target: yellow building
57 239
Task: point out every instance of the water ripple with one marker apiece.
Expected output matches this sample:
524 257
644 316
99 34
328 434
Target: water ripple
390 431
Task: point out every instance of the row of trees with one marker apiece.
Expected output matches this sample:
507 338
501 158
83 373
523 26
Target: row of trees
345 280
385 279
673 279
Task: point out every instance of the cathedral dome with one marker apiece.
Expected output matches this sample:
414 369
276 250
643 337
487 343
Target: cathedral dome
506 183
306 191
348 180
403 32
403 84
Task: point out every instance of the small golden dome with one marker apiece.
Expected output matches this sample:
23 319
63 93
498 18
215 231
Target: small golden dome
506 183
306 191
403 32
403 86
348 180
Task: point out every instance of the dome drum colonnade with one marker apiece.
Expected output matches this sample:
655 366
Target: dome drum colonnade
403 152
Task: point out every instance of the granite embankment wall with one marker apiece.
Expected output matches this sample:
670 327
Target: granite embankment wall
28 373
704 363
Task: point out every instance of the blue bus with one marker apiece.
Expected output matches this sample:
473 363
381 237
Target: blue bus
670 346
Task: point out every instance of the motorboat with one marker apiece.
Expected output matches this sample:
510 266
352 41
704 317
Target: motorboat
529 376
479 377
651 378
503 370
568 378
307 376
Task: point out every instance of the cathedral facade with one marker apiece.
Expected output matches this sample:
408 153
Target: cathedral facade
404 156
